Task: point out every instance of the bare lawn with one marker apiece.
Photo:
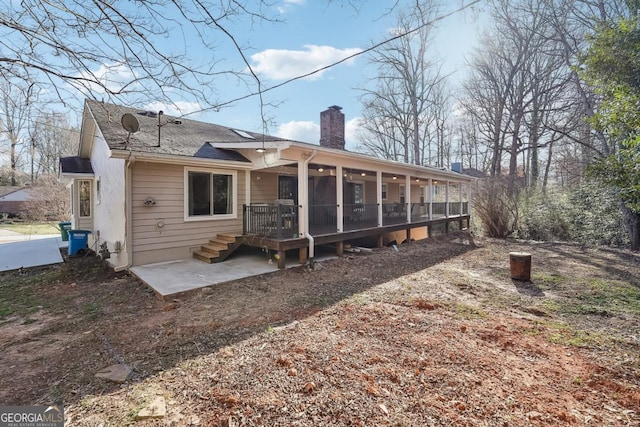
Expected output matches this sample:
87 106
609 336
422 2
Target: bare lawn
433 333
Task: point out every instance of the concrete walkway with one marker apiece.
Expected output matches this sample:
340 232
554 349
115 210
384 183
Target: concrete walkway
24 250
175 277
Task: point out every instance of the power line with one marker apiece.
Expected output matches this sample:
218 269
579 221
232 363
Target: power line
260 92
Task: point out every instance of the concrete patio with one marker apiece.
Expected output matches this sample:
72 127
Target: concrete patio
175 277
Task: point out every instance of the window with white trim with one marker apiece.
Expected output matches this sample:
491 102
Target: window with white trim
384 191
84 198
402 194
210 194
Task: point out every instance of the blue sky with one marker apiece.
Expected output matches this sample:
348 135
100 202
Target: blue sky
312 34
317 33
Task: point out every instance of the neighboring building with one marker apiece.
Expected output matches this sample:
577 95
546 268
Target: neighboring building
13 200
175 188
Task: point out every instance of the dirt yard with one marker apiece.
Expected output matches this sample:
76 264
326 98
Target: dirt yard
435 333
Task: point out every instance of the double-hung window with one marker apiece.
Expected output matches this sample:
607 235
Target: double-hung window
210 194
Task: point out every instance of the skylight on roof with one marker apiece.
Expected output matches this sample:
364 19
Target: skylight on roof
243 134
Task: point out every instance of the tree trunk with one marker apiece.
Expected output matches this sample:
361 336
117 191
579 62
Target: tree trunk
632 222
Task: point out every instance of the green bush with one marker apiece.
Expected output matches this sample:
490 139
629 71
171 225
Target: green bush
595 215
588 213
545 216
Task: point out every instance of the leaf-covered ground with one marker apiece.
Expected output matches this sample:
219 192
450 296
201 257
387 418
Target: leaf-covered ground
435 333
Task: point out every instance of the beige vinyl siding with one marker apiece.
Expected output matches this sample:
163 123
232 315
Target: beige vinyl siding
264 189
370 192
160 232
393 192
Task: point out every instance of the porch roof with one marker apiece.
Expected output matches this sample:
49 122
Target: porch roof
75 166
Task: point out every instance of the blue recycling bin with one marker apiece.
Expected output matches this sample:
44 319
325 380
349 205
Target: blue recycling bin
78 241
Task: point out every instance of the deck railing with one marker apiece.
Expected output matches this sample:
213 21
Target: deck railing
439 209
360 215
271 220
280 221
419 212
322 219
394 213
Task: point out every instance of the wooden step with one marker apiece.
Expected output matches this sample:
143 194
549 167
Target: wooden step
204 257
221 245
226 238
218 249
212 249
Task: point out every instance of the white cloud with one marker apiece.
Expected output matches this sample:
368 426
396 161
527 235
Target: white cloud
289 4
303 131
307 131
113 76
351 129
178 108
282 64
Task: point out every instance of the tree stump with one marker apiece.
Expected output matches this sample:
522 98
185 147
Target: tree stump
520 265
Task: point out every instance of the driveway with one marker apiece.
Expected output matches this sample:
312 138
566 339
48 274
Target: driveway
23 250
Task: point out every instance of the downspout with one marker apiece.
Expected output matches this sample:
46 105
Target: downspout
305 214
128 213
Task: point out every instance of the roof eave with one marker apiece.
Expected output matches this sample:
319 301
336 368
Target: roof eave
177 160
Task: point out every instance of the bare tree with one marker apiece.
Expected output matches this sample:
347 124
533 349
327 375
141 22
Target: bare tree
51 137
399 113
15 108
114 48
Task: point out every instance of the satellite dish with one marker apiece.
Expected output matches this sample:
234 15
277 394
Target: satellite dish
130 123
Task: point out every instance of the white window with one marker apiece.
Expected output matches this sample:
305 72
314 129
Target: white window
358 193
84 198
98 191
421 192
384 191
402 194
210 194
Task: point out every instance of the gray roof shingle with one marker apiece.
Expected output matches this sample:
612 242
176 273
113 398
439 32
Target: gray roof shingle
178 136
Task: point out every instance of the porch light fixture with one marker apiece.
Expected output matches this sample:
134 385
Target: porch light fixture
417 179
320 169
395 177
363 174
260 150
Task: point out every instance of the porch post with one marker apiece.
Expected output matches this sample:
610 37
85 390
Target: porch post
339 200
407 179
460 198
430 197
247 185
379 196
446 197
302 198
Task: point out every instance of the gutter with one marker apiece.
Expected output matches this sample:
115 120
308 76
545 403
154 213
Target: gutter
128 213
309 237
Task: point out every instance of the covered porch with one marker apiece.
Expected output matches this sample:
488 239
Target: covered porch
346 203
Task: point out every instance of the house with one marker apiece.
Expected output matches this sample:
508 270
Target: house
13 200
155 188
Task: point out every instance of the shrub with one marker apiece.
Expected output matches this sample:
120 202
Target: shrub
496 208
545 216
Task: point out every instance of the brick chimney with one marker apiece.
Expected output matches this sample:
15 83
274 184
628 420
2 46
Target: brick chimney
332 128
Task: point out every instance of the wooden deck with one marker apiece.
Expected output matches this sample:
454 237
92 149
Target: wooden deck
302 244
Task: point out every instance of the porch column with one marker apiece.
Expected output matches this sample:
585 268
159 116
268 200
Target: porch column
303 198
460 198
339 200
430 197
469 195
379 196
247 186
407 195
446 198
